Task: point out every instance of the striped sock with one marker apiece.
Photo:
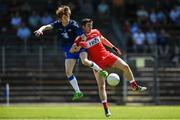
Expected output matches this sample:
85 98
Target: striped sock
73 81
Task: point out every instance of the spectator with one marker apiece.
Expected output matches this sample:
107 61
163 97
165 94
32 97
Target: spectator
134 28
142 15
153 16
139 39
16 20
34 19
87 8
23 32
126 27
161 17
46 19
127 35
151 38
103 10
163 39
175 15
26 8
51 6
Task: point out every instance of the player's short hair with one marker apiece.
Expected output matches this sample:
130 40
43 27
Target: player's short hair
63 10
86 20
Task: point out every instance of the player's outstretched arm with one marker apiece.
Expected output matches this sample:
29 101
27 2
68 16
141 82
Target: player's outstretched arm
43 28
106 42
109 44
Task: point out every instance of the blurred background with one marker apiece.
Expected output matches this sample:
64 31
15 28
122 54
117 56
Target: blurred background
147 31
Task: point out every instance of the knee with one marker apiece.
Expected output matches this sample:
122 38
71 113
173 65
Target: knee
68 73
85 62
126 67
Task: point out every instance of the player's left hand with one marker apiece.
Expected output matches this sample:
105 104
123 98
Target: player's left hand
117 50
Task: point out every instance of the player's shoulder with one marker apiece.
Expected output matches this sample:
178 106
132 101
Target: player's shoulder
56 23
73 23
95 31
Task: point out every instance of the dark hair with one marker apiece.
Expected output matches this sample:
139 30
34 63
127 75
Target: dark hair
86 20
63 10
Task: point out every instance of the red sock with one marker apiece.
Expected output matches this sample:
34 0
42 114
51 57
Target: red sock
105 105
133 84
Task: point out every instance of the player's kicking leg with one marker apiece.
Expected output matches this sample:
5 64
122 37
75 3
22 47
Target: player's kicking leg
91 64
122 65
69 65
102 93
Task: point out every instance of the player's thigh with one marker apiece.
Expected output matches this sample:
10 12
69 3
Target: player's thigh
119 64
69 64
100 80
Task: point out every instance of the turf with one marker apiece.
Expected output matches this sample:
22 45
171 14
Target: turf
64 112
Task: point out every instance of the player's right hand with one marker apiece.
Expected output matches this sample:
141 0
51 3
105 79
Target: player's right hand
38 33
83 44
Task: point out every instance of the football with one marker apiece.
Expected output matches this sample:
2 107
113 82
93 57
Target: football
113 79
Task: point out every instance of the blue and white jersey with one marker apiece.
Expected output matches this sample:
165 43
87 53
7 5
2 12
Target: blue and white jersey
67 34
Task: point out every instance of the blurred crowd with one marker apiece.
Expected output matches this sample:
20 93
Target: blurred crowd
145 24
153 27
23 17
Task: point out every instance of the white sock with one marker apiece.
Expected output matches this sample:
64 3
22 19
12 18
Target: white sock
95 66
103 101
74 83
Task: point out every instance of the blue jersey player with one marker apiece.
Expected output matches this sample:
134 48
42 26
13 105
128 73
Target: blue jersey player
67 30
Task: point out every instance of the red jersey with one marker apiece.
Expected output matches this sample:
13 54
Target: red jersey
96 50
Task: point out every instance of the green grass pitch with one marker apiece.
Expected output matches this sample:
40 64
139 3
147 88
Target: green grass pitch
91 112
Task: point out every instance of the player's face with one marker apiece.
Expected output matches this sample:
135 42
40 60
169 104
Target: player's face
65 18
88 27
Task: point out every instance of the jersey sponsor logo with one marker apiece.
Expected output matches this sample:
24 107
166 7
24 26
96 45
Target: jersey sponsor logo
93 42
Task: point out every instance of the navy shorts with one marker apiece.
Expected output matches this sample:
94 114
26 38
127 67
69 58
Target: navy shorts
69 55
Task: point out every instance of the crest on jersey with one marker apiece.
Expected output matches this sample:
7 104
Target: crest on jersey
65 35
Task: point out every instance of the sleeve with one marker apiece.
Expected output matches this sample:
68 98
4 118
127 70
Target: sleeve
77 40
78 30
98 32
55 24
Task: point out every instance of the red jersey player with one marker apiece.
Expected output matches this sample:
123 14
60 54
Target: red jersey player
93 41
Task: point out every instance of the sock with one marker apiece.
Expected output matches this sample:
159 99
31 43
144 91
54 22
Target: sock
73 81
105 105
95 66
133 84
